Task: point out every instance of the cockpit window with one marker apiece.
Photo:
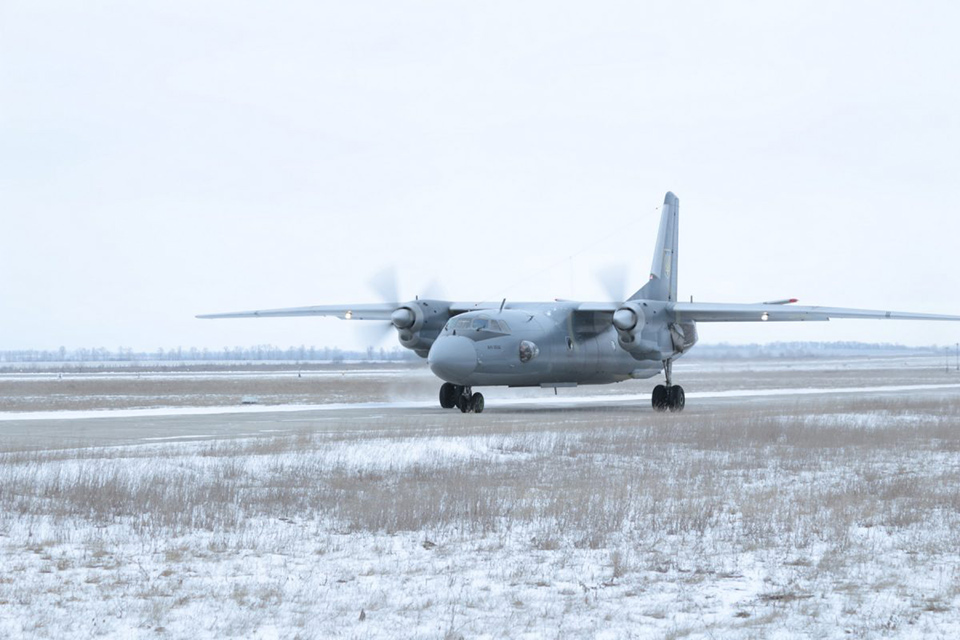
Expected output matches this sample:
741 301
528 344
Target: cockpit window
478 324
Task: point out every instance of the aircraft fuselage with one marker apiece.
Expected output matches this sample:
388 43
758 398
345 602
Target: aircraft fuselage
534 344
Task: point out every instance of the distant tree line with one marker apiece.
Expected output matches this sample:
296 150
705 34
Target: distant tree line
809 350
303 353
260 352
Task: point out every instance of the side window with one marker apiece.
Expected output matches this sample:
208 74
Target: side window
528 351
504 326
494 326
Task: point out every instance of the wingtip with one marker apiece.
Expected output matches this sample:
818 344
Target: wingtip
670 198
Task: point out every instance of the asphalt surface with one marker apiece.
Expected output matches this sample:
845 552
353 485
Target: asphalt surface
394 419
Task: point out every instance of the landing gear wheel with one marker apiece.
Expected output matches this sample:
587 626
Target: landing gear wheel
660 398
476 403
448 395
677 398
466 400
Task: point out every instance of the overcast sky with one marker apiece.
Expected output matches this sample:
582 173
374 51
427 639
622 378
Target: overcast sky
163 159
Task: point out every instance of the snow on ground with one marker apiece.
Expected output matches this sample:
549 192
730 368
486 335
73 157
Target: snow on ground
835 518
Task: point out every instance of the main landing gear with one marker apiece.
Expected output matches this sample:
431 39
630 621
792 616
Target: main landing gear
670 396
463 398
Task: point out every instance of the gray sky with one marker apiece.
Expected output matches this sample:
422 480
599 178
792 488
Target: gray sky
162 159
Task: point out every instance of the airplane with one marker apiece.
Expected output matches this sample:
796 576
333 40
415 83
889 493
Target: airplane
569 343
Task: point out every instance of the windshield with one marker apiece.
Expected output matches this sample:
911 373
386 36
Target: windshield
478 323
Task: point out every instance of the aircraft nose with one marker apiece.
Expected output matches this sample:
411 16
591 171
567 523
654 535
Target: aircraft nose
453 358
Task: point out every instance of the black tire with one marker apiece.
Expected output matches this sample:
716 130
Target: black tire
678 400
660 398
448 396
476 403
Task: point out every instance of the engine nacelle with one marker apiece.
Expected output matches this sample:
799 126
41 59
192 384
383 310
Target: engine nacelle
629 321
419 322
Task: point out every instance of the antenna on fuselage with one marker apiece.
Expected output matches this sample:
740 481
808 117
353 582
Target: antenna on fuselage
501 305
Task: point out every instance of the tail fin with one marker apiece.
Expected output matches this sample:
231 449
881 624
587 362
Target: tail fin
663 272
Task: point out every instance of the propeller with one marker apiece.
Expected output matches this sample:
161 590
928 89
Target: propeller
375 334
433 290
614 278
628 319
385 284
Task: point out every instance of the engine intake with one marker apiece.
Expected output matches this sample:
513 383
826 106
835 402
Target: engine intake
419 322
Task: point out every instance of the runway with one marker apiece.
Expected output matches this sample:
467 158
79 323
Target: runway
111 427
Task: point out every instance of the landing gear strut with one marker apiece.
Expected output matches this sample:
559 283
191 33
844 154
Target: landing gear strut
669 396
463 398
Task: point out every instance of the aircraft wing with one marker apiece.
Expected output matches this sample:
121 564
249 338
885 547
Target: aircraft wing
598 307
376 311
721 312
381 311
463 307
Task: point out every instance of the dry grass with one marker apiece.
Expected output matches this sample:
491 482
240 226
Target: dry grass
560 523
177 387
763 477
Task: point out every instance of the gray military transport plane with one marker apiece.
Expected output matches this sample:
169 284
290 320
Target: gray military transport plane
566 343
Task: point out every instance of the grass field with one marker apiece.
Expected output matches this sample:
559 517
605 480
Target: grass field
819 516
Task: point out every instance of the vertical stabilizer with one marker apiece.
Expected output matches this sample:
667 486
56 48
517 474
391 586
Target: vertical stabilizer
663 271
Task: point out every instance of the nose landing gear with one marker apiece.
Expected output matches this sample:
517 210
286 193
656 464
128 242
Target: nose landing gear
669 396
463 398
